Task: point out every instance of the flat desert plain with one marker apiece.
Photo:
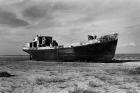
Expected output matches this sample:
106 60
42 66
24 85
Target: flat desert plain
69 77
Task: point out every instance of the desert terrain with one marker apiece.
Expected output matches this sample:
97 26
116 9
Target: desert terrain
68 77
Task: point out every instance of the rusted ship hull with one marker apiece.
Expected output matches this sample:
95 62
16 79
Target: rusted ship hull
91 52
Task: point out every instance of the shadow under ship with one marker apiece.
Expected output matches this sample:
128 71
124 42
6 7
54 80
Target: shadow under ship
95 49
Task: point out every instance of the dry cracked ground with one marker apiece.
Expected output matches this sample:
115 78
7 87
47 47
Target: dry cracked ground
68 77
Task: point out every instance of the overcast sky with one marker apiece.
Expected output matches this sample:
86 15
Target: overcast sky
68 21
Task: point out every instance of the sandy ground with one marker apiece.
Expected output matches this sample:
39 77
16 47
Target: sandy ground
61 77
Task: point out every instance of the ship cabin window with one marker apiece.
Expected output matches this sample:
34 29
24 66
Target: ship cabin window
40 40
44 41
35 44
30 44
48 41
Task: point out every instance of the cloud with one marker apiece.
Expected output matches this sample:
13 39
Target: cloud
34 12
76 13
11 19
7 2
48 10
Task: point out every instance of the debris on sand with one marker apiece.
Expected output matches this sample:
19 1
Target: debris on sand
5 74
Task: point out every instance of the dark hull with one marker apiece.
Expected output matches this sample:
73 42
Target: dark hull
92 52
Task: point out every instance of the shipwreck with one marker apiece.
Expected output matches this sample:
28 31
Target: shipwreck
95 49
